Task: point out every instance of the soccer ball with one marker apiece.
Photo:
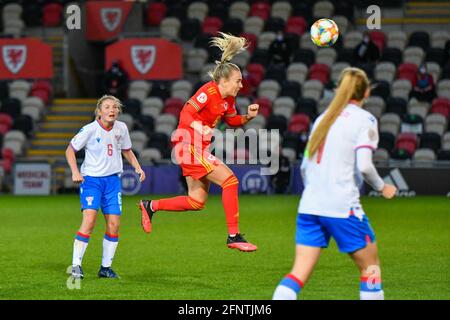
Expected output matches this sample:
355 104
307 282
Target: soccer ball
324 32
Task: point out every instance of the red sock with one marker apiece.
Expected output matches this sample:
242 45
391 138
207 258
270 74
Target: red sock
181 203
231 203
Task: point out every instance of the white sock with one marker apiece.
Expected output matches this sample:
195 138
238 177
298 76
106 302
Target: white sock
284 293
375 295
79 248
109 249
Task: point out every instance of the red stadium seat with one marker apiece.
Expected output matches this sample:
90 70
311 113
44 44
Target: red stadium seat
299 123
155 13
8 154
6 164
212 25
442 106
256 73
260 9
265 106
52 15
379 38
247 87
252 41
407 71
43 94
3 129
43 85
173 106
6 120
407 141
296 25
319 72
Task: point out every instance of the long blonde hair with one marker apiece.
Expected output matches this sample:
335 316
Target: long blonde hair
230 46
352 85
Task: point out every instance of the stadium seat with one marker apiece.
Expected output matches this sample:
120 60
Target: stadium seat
150 155
241 59
276 72
424 156
233 26
396 105
139 89
322 9
172 106
277 122
401 88
159 141
219 9
254 25
146 123
439 38
443 155
52 14
260 56
342 23
181 89
290 89
379 38
132 106
32 14
265 106
190 28
352 39
326 56
407 141
446 141
313 89
397 39
306 56
196 59
387 141
212 25
260 9
256 73
435 55
269 89
323 104
407 71
434 69
419 39
345 55
380 155
19 89
412 123
11 106
381 89
299 123
375 105
239 10
319 72
298 72
385 71
442 106
170 28
419 108
197 10
155 13
127 119
306 43
436 122
296 25
430 140
265 39
391 54
274 25
414 55
281 9
443 88
139 140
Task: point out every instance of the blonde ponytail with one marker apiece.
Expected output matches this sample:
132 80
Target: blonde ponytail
230 46
353 84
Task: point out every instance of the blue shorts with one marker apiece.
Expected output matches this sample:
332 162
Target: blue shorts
351 234
102 192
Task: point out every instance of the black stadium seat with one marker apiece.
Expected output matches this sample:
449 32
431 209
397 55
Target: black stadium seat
11 106
393 55
290 89
305 56
435 55
430 140
276 72
277 122
23 123
307 106
396 105
132 107
189 29
274 24
387 141
381 89
260 56
419 39
234 26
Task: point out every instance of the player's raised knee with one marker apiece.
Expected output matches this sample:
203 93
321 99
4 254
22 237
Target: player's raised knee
195 204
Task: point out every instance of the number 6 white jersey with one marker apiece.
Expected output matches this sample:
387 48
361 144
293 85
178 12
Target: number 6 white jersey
330 176
103 148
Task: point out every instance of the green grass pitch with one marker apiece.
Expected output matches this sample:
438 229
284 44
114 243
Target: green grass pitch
185 256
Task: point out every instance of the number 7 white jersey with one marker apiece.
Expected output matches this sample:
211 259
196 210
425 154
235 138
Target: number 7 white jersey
330 176
103 148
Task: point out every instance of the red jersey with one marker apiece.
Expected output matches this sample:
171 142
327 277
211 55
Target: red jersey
210 106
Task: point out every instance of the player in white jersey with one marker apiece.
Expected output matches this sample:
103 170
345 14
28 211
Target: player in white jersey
105 140
339 151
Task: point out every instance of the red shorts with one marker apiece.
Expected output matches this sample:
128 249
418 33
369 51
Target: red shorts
195 162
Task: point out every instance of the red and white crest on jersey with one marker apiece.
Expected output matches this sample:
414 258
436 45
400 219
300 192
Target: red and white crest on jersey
111 18
14 57
143 57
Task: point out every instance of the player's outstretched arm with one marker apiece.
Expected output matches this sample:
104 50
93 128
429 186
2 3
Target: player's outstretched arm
131 158
72 161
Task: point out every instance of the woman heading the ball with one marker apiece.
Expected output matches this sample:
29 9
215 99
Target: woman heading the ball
338 155
214 101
